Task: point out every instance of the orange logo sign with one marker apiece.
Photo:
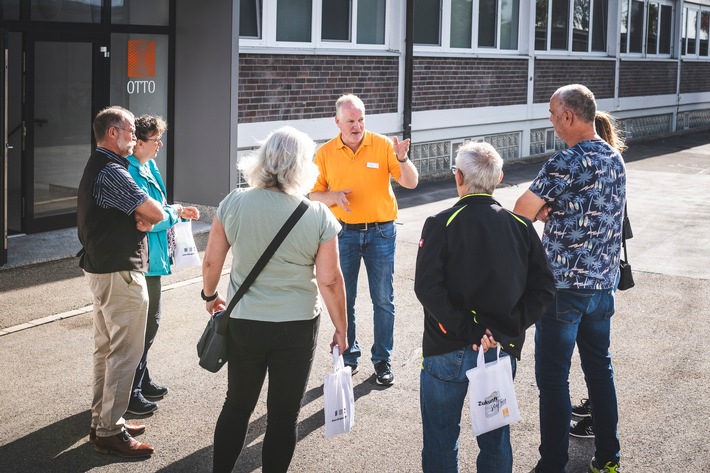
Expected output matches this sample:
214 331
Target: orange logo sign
141 58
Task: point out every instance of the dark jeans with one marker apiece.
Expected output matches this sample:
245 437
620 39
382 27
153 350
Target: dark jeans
142 377
285 350
584 317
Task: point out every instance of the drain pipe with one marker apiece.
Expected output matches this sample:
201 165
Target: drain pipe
408 70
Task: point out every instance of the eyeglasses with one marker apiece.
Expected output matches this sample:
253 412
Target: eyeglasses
454 169
156 140
132 132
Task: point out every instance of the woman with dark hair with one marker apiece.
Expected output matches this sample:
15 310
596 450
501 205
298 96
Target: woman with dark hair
142 167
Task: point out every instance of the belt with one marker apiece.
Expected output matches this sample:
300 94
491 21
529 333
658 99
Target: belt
362 226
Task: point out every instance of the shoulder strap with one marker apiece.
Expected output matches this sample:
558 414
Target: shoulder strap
268 253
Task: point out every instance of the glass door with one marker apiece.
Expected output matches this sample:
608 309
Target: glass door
63 78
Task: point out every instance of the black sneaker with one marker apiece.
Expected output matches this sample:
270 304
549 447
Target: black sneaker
582 410
383 370
140 406
153 392
353 368
583 429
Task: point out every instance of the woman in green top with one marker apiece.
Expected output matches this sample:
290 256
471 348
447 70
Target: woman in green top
274 327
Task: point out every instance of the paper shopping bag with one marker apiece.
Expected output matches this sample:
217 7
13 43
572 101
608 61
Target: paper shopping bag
491 394
186 254
339 400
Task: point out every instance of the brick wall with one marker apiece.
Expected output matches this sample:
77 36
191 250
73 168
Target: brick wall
694 77
551 74
292 87
448 83
638 78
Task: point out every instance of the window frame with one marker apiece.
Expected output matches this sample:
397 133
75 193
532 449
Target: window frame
700 10
644 34
569 50
444 45
269 23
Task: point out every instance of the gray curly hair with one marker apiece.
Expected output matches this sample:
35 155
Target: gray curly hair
284 160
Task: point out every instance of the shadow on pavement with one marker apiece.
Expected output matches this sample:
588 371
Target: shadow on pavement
61 446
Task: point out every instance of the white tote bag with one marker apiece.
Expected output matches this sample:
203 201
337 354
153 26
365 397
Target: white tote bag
339 399
186 254
491 394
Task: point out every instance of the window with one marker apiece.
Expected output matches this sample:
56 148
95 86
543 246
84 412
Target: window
140 12
250 19
695 31
646 27
293 20
427 21
571 25
79 11
467 24
323 23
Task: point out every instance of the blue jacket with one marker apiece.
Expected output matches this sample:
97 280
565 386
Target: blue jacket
149 179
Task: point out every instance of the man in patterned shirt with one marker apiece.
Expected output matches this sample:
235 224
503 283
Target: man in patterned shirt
113 215
580 193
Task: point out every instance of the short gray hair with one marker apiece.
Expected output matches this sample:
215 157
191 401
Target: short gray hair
112 116
480 165
579 99
351 99
284 161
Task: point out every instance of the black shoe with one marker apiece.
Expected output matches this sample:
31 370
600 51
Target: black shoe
353 368
140 406
383 370
153 392
583 429
582 410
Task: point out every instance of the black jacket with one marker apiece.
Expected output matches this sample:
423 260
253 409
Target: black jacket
480 266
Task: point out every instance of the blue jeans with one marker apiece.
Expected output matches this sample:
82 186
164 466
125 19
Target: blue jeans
443 386
375 246
584 317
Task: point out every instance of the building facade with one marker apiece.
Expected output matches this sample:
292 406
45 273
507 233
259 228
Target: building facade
226 73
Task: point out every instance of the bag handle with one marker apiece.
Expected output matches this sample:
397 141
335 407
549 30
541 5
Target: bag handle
481 360
261 263
338 363
626 224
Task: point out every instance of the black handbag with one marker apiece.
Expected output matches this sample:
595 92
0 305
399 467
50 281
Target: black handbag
626 278
212 346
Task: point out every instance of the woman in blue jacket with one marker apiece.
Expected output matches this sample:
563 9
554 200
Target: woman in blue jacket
149 130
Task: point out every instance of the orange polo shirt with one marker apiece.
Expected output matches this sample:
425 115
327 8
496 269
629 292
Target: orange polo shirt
365 173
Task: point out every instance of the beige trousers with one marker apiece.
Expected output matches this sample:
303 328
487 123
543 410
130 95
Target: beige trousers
120 313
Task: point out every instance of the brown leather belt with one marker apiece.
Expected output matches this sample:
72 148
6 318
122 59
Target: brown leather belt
361 227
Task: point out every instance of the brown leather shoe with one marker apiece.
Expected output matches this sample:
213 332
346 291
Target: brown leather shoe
123 445
134 430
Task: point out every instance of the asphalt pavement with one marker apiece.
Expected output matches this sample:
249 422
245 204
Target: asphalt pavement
659 341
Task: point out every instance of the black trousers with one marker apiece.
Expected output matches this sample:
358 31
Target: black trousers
284 350
142 376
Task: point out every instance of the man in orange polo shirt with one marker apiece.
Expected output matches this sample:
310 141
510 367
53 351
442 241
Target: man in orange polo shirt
354 181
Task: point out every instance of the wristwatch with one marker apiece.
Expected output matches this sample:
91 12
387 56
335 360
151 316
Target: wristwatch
403 160
210 298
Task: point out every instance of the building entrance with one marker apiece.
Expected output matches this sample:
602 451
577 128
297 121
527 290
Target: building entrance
64 83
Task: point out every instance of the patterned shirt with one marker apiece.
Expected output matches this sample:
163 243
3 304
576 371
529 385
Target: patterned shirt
585 186
114 186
